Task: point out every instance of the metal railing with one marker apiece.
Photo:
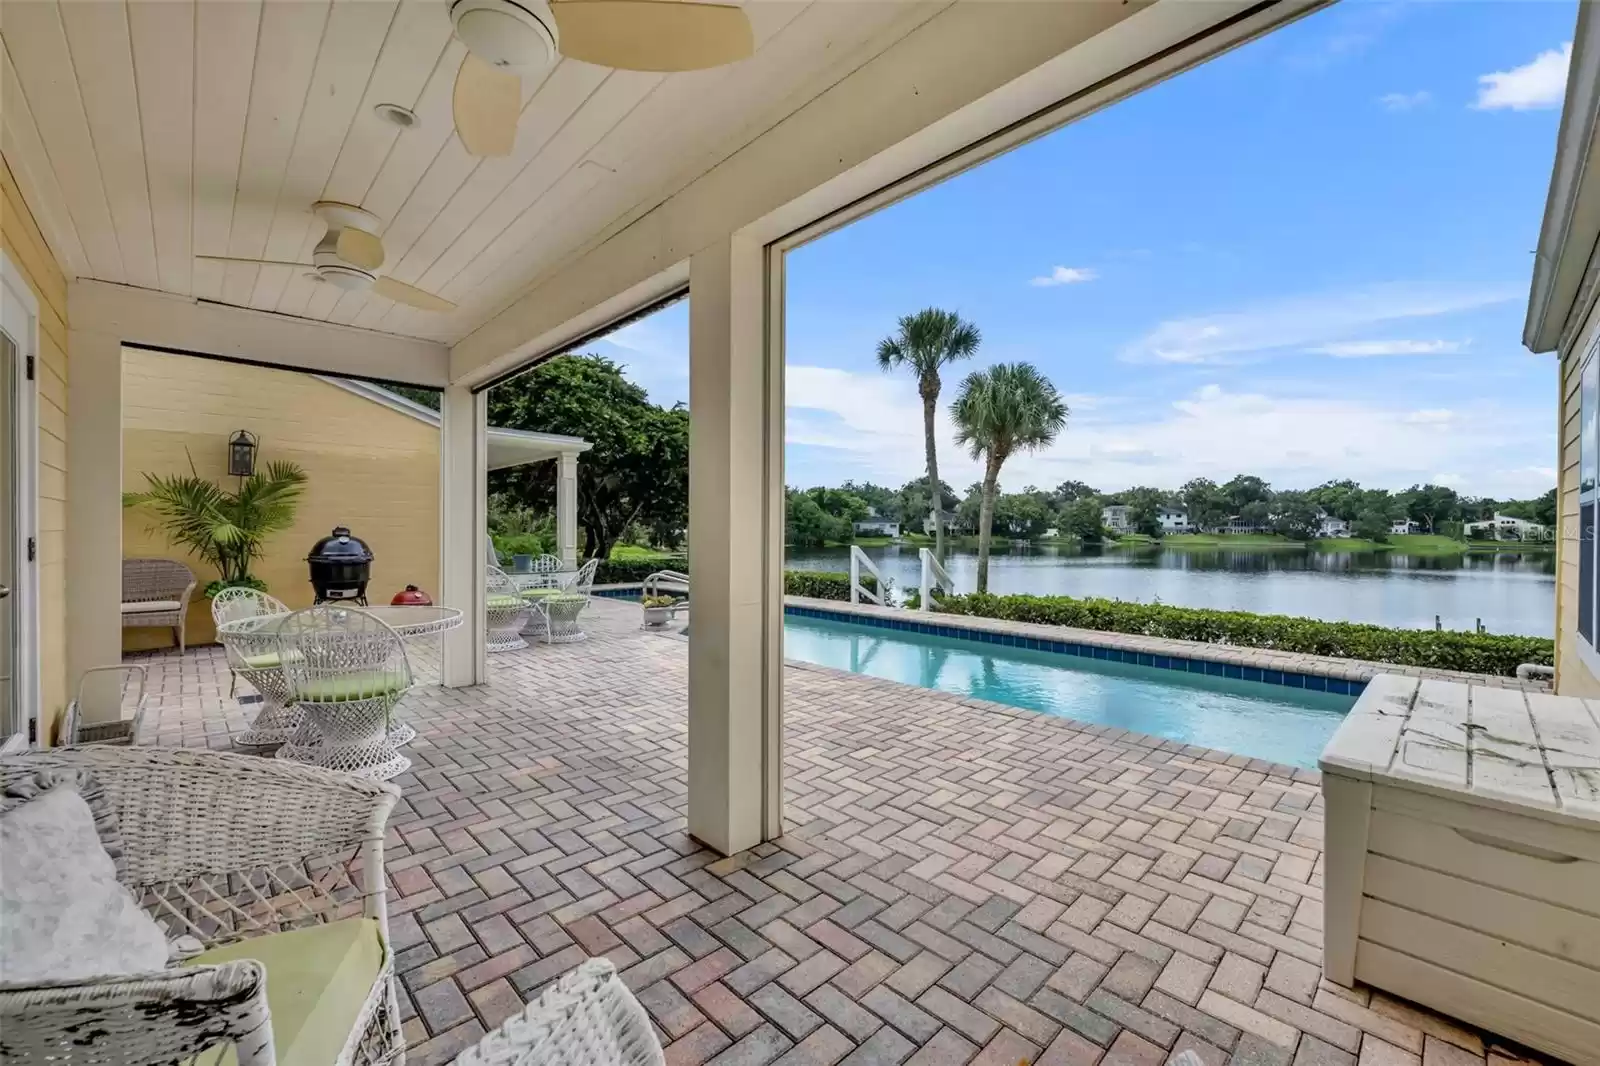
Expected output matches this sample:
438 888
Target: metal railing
858 559
934 576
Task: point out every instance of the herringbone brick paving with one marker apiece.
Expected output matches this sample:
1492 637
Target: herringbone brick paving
958 883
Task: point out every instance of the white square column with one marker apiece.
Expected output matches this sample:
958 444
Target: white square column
567 509
736 505
463 530
94 513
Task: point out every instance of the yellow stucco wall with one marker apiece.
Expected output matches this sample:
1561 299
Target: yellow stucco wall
22 241
1573 676
371 468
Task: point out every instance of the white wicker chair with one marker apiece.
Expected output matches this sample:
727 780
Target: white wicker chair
74 730
252 652
155 592
346 670
585 1018
504 612
220 848
553 616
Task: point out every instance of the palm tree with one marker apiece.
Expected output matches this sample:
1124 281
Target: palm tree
928 340
999 411
222 528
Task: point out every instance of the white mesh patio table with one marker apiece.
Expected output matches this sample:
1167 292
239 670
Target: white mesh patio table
305 742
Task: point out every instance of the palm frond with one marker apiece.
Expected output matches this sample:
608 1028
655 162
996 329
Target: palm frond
1007 407
930 339
224 529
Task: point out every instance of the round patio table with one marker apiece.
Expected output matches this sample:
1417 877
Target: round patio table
304 744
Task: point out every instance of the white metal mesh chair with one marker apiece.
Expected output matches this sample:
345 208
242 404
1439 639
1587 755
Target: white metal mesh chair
585 1018
155 592
221 848
504 612
346 670
252 651
553 617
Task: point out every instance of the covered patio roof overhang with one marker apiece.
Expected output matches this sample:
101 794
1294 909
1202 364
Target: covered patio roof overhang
640 188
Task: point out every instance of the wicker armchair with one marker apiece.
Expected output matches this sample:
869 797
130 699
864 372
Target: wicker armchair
155 592
220 848
585 1018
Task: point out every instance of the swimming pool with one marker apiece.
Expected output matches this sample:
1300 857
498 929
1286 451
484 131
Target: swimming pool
1265 721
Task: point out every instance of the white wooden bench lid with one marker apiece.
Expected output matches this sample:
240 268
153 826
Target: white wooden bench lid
1499 745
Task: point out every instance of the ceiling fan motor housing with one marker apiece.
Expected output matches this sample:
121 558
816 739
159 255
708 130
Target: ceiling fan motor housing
338 271
514 35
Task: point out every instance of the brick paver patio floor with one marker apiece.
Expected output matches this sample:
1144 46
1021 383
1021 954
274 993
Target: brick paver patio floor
959 882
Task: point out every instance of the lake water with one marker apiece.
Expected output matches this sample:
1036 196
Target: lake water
1512 592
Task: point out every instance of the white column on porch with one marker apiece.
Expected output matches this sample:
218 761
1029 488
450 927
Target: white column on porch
567 509
463 529
94 508
736 552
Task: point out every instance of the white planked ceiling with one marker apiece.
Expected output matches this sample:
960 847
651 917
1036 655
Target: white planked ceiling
144 132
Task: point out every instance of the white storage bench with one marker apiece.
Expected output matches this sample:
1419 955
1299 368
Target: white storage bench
1463 857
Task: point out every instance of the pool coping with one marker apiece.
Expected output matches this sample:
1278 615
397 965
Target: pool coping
1264 665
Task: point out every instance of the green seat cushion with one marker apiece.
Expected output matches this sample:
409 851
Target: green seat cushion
540 593
362 685
503 601
318 978
267 660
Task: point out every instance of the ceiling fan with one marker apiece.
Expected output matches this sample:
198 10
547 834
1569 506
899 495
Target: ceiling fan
507 39
349 256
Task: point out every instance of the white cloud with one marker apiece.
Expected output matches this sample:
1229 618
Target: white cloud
1542 82
1367 349
1062 275
1302 322
1405 101
868 425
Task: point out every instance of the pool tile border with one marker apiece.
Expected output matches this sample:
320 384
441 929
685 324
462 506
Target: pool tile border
1177 664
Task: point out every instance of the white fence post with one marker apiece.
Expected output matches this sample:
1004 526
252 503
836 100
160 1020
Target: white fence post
858 559
855 575
933 575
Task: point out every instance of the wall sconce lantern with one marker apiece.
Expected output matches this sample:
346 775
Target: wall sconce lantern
242 454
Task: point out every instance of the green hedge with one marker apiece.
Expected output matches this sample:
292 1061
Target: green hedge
627 571
1479 653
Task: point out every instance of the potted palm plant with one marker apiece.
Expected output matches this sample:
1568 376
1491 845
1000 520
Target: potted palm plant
222 528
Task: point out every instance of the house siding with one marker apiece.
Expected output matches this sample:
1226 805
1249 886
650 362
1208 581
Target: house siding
1573 675
371 468
23 242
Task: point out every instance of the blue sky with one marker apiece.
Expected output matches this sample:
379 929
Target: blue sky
1307 259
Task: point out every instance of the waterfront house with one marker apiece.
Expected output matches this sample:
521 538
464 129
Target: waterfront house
952 523
1329 527
875 525
1173 520
1402 526
1237 524
1115 517
1507 527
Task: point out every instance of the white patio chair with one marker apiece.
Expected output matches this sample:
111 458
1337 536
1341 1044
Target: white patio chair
253 658
553 617
346 670
585 1018
74 730
504 612
269 866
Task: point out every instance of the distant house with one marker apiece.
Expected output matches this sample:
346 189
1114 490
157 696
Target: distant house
876 527
1239 524
1173 520
1403 526
1115 517
1508 527
1329 526
951 523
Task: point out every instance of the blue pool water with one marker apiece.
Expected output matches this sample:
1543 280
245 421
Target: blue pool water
1274 722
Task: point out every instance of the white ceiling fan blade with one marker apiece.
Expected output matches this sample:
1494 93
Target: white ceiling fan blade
360 248
487 103
256 262
401 293
657 35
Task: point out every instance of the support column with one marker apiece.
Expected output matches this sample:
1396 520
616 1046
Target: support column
463 530
94 512
567 509
736 551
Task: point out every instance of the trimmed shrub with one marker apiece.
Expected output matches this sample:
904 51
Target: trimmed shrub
822 584
627 571
1479 653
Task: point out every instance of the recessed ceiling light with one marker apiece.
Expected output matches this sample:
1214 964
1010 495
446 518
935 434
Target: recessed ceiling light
396 115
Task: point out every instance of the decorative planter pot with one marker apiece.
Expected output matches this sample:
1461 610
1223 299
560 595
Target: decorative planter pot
657 616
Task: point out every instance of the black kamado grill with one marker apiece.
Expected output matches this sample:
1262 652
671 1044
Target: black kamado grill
340 567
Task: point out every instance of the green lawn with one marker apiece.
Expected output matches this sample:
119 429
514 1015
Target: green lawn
1229 540
632 553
